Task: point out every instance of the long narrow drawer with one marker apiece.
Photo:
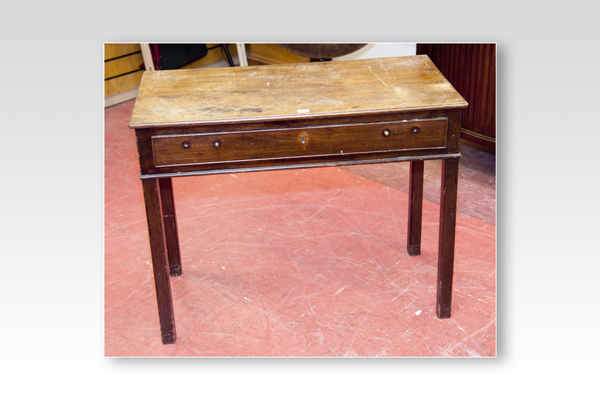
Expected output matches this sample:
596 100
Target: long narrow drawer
203 148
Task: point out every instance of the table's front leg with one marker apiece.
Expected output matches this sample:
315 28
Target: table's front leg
170 226
447 236
159 262
415 207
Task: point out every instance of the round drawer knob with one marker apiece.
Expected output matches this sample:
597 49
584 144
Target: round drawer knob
217 143
186 145
386 132
414 130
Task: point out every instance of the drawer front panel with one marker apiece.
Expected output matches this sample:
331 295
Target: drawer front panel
204 148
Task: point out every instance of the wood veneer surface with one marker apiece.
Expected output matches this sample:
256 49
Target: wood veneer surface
184 97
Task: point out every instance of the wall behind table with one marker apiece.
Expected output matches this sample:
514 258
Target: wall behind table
123 68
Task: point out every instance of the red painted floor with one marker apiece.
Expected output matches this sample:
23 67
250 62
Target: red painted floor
299 263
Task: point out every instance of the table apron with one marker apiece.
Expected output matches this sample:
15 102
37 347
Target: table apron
220 147
296 166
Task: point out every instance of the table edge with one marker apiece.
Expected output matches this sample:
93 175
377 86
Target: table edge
138 125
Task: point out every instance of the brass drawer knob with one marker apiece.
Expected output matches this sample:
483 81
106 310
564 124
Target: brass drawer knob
414 130
386 132
186 145
217 143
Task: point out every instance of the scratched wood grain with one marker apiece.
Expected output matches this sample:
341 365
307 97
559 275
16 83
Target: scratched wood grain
270 92
299 142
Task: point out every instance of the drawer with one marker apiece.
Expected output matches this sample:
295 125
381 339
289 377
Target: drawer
205 148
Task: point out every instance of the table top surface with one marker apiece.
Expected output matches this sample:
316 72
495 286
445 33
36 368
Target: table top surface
272 92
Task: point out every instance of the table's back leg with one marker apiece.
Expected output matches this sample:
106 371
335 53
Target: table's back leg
447 232
159 264
170 226
415 207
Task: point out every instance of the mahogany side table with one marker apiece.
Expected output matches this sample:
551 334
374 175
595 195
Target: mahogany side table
257 118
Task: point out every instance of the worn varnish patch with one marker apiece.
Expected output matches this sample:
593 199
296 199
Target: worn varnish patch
272 91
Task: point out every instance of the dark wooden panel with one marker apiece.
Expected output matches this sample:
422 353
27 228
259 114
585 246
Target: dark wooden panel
471 69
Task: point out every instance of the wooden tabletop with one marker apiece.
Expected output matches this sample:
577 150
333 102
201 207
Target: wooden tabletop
271 92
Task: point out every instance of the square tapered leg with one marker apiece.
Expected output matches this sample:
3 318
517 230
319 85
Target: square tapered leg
170 226
159 261
415 207
447 232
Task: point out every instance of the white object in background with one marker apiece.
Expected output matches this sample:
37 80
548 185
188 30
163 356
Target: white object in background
147 56
381 50
241 49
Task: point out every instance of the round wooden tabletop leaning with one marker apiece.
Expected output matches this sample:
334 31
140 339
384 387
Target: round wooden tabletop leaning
318 51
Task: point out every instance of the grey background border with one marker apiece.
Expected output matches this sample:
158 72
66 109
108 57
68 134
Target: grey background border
52 224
